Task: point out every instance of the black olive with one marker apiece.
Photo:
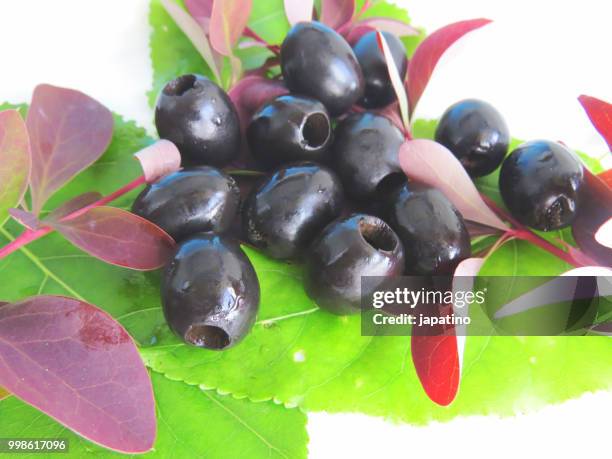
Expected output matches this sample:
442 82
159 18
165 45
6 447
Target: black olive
210 292
290 207
193 200
365 155
432 230
346 250
541 183
477 135
318 62
378 91
200 119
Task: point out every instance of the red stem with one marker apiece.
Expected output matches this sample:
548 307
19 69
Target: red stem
248 32
31 235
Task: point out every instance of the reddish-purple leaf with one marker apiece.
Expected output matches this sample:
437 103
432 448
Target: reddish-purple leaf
15 161
433 164
118 237
298 10
594 211
68 132
251 93
336 13
600 114
76 203
159 159
426 56
75 363
25 218
227 23
192 29
396 80
394 26
200 10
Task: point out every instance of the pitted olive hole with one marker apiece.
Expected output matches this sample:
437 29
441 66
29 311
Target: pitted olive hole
180 85
556 213
378 235
207 336
316 130
390 183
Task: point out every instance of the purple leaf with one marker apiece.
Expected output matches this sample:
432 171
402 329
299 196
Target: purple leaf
194 32
433 164
426 56
396 80
69 131
76 203
200 10
336 13
394 26
251 93
25 218
15 161
118 237
227 23
600 114
159 159
75 363
298 10
595 210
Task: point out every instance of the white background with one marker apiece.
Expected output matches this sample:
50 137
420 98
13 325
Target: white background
531 64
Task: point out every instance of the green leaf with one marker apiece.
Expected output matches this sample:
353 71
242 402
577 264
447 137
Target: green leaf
191 423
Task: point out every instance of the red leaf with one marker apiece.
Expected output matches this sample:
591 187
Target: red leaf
600 114
75 363
118 237
426 56
606 177
298 10
15 161
159 159
595 210
227 23
336 13
433 164
76 203
251 93
200 10
25 218
68 132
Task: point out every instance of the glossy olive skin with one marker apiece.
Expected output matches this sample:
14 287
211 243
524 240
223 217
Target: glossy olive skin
431 229
346 250
192 200
477 135
290 207
365 152
200 119
317 62
210 292
288 129
541 184
378 90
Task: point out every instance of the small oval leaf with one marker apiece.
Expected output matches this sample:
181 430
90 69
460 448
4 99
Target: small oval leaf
336 13
298 10
200 10
76 203
75 363
433 164
15 161
428 53
25 218
118 237
159 159
600 114
69 131
227 23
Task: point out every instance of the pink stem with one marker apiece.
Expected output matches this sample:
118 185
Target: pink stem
31 235
248 32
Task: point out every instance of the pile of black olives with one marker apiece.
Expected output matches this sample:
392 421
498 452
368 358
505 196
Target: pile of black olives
334 195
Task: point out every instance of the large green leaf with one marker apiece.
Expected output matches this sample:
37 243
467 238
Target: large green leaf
191 423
